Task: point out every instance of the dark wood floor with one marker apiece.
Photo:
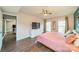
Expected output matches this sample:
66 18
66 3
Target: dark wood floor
26 45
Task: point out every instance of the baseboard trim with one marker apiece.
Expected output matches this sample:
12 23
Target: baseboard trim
23 38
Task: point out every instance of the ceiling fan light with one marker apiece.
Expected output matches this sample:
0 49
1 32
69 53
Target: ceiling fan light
45 14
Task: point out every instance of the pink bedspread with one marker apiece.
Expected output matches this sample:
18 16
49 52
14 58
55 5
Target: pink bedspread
55 41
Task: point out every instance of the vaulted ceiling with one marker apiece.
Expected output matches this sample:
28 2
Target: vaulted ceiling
36 10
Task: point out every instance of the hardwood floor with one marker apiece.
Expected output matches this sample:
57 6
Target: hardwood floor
26 45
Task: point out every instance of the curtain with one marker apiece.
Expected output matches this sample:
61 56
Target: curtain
45 20
67 24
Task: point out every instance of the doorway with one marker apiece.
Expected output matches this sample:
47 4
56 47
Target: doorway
9 31
47 25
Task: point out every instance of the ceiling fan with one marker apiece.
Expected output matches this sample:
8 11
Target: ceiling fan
45 12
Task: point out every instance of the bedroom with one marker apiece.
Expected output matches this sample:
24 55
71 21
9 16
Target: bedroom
33 21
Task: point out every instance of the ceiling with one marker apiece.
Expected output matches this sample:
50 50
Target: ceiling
36 10
10 9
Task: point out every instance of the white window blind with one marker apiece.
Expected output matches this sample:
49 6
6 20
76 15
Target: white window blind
61 26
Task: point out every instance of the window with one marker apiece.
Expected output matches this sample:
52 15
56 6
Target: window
61 26
48 26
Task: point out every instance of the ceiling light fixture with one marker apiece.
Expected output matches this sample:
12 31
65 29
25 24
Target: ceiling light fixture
45 12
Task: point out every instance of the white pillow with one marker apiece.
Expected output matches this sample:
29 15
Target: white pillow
67 33
76 42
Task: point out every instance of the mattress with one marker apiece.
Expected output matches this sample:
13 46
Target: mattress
55 41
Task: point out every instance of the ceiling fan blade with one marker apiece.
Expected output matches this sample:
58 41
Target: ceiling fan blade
46 11
43 11
50 13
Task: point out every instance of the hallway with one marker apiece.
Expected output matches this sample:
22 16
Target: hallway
8 41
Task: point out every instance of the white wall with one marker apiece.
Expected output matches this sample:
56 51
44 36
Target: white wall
0 29
36 32
24 26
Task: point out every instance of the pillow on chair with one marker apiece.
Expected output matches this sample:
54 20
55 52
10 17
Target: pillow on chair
67 33
76 42
71 38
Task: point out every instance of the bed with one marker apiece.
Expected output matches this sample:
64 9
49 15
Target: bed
55 41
